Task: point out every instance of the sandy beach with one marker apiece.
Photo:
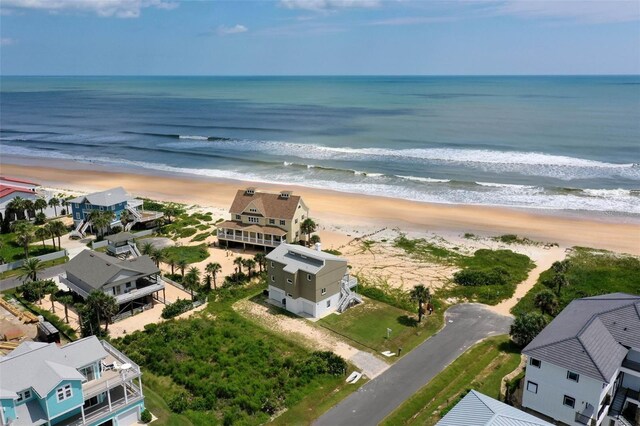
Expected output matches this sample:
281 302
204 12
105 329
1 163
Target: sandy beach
350 212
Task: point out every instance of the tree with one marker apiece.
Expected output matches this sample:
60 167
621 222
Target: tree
239 262
103 306
171 210
24 235
315 239
421 294
34 291
66 300
261 260
54 202
125 217
526 327
101 220
147 248
157 256
30 269
182 265
172 264
42 233
58 229
212 269
560 279
308 226
546 301
16 206
191 280
50 228
40 219
249 264
30 208
40 204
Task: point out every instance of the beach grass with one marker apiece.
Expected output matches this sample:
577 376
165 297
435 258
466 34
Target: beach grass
425 251
591 272
367 325
482 368
191 254
153 387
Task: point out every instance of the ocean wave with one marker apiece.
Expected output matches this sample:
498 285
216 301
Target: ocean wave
504 185
195 138
424 179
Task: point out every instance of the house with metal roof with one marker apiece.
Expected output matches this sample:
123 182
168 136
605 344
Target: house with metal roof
263 219
115 200
309 282
86 382
584 367
477 409
133 282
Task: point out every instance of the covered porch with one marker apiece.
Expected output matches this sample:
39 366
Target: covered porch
267 236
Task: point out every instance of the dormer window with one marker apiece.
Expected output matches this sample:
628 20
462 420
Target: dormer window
24 395
253 210
238 217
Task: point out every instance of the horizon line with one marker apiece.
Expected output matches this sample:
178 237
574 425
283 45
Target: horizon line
322 75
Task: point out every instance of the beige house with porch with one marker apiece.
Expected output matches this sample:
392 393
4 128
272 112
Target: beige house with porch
263 219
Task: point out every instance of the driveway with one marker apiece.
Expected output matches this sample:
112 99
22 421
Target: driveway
466 324
14 282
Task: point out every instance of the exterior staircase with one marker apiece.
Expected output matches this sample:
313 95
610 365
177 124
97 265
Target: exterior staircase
80 229
347 297
135 213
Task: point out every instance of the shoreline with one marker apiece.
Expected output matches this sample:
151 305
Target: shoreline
345 209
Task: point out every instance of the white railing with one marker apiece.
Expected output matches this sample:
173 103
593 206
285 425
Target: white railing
263 241
139 292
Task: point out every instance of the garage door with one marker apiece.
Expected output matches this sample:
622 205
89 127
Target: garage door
308 308
128 418
276 295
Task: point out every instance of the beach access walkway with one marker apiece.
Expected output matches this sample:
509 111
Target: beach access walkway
465 325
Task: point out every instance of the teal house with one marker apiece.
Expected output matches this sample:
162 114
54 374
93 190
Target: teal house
86 382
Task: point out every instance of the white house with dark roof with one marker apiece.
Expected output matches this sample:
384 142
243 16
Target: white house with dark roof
86 382
584 367
477 409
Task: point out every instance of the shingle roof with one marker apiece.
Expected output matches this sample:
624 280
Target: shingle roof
97 269
43 366
267 204
591 335
477 409
104 198
296 257
120 237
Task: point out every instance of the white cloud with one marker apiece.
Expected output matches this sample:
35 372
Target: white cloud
105 8
587 11
320 5
6 41
236 29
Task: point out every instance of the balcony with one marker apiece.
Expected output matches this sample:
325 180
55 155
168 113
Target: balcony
116 399
585 416
631 365
251 240
143 288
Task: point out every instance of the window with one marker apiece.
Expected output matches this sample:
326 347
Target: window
253 219
535 362
290 295
252 210
238 217
296 220
323 291
328 303
64 393
272 265
26 394
273 279
308 277
116 290
289 281
283 222
77 215
569 402
532 387
573 376
272 221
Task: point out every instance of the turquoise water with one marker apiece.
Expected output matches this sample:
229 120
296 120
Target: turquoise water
567 143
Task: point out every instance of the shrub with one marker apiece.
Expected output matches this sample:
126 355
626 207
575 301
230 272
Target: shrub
40 218
185 232
333 252
201 237
476 277
145 416
179 402
526 327
176 308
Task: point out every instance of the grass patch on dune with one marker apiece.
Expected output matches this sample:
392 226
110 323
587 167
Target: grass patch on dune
591 272
425 251
481 368
191 254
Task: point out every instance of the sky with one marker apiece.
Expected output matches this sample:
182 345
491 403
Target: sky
319 37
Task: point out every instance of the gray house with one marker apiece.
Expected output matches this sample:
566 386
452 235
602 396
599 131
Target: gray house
133 282
584 367
309 282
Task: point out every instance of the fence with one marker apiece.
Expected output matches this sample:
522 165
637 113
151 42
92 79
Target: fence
45 257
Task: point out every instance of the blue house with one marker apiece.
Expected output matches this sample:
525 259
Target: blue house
86 382
115 200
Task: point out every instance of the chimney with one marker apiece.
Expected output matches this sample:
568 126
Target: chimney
318 247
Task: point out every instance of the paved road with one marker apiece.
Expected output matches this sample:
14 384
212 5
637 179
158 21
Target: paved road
14 282
465 325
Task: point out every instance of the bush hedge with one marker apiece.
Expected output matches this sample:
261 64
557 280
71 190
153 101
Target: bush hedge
176 308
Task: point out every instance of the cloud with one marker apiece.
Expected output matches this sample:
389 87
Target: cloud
6 41
105 8
323 5
585 11
236 29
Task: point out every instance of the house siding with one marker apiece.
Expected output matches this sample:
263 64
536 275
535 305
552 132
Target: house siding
8 410
56 408
81 210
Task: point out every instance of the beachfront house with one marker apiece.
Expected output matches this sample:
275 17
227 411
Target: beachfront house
478 409
86 382
122 245
309 282
584 367
133 282
10 188
263 219
115 200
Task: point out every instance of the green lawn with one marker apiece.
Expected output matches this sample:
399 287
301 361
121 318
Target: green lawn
481 368
192 254
367 324
47 264
11 251
591 273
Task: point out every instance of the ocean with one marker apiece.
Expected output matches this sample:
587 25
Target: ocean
555 143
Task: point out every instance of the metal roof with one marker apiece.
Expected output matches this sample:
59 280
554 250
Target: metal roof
477 409
296 257
120 237
104 198
591 335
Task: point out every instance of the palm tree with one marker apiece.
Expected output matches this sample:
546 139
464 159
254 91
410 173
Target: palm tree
54 202
147 248
170 210
50 229
191 280
101 220
66 300
103 306
58 229
24 235
42 233
181 264
30 269
125 217
17 207
212 269
560 279
249 264
40 204
260 259
157 256
238 261
421 294
172 264
308 226
315 239
30 208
